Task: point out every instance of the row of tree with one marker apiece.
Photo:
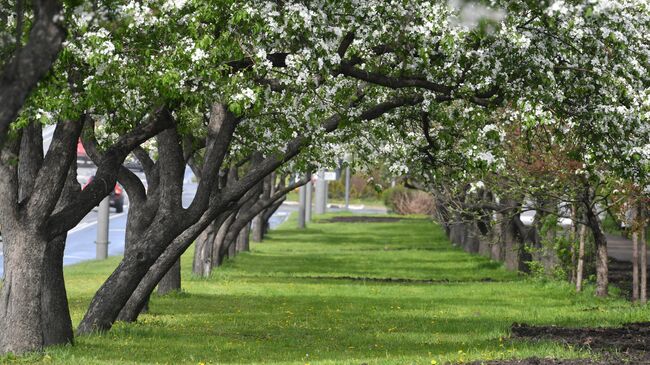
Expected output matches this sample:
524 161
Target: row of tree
246 91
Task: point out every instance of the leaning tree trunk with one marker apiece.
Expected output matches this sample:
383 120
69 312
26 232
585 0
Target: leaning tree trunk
268 213
171 282
21 313
116 290
177 247
217 244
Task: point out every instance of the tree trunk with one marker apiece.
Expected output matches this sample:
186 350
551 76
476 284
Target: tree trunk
21 315
258 228
581 257
573 237
57 324
217 254
232 249
513 241
496 253
115 292
635 262
644 265
243 239
171 282
163 264
268 213
600 241
203 251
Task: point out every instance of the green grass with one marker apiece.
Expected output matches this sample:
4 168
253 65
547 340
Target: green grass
293 196
267 307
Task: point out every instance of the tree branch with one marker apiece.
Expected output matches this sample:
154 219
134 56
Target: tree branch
30 63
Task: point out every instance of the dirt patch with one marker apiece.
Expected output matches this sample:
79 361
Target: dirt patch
607 359
395 280
361 219
623 345
631 337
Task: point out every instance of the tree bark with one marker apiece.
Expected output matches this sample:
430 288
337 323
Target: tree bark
219 241
176 248
21 312
171 282
581 257
57 324
258 228
600 241
243 239
30 63
202 264
635 258
167 259
643 297
116 291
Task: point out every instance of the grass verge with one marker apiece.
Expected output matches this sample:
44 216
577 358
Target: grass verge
291 301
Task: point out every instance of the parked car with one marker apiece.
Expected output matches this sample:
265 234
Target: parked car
82 157
116 199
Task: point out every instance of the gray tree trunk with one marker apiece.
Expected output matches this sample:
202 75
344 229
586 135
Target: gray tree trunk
171 282
57 324
635 260
258 228
581 257
602 259
219 241
243 239
202 264
643 295
21 312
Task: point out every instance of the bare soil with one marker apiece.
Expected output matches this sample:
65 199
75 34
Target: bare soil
396 280
623 345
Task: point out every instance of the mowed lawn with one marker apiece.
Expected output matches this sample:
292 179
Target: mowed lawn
292 300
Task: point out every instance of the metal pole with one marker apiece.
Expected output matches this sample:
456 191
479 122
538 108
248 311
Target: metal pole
101 245
308 199
321 193
347 188
302 205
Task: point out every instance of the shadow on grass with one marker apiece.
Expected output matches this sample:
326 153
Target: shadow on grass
255 328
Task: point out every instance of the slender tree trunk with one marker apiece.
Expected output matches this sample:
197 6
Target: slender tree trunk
21 315
57 324
171 282
573 238
635 262
644 266
600 241
581 257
